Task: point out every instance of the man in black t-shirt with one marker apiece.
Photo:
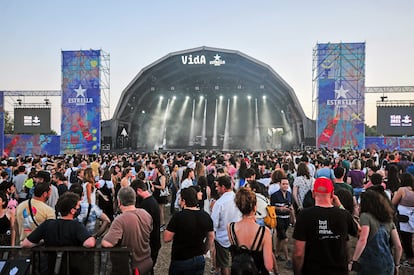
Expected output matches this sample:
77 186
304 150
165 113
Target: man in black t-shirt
64 231
147 202
191 231
321 234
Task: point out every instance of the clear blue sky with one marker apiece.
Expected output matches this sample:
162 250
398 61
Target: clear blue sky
136 33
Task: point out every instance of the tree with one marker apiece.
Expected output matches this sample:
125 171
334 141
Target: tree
8 123
371 131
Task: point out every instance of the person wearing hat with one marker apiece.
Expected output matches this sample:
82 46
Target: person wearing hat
321 234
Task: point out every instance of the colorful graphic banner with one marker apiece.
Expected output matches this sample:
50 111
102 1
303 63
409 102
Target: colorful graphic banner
341 88
81 102
30 145
389 143
2 122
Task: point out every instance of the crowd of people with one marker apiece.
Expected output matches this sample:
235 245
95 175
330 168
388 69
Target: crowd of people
218 203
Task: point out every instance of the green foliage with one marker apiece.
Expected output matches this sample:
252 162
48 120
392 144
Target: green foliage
8 123
371 131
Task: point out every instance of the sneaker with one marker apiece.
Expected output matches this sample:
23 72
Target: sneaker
162 227
288 264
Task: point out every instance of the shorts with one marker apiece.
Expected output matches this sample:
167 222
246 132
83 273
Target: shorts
223 256
281 228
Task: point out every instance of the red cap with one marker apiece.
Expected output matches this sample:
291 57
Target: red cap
323 185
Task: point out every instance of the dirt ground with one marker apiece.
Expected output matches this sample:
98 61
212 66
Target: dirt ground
163 260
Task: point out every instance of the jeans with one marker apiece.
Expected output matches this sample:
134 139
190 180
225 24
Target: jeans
192 266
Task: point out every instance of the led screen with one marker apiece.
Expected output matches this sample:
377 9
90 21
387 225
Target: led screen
32 120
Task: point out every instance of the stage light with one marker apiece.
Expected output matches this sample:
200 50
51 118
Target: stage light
201 97
152 89
19 101
187 97
264 97
161 97
143 112
216 88
239 87
249 97
172 88
196 88
221 97
47 101
262 87
235 97
174 97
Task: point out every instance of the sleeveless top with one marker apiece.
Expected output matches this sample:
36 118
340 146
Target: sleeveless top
377 257
4 224
254 249
408 199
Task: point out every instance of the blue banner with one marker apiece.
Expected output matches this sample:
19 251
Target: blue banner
30 145
341 88
81 102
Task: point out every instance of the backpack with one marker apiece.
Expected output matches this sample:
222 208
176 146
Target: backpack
308 200
271 219
73 178
242 258
105 190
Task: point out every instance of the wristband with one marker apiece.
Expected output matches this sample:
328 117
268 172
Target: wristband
397 266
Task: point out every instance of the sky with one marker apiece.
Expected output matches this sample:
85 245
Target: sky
136 33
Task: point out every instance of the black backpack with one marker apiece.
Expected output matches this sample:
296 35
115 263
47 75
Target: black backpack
242 259
308 200
73 178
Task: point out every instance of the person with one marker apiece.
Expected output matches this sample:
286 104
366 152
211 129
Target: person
18 181
7 218
191 231
224 212
106 193
372 251
339 173
59 180
404 201
146 201
126 177
302 184
33 212
321 234
89 190
282 199
245 232
88 216
64 231
160 183
356 177
261 199
131 229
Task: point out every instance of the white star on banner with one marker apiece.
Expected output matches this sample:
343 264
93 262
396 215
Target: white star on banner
217 57
341 92
80 91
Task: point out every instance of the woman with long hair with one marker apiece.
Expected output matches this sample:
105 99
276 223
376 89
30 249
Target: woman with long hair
89 186
245 231
126 177
302 184
404 201
393 179
159 184
373 252
106 194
